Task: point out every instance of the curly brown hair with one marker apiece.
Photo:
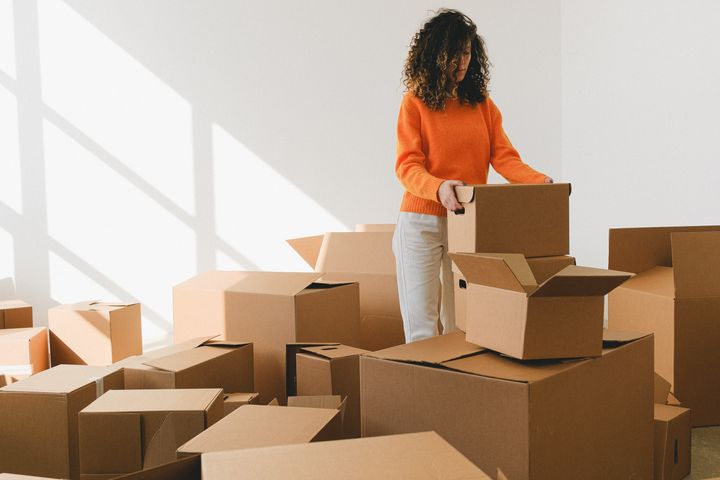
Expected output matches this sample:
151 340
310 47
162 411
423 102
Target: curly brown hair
435 53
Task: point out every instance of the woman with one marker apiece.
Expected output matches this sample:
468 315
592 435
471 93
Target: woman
449 133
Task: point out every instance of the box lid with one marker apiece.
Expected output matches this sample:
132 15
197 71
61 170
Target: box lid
161 400
668 413
574 281
62 379
617 338
357 252
656 281
466 193
307 247
272 283
501 270
24 334
335 351
12 304
418 456
181 360
431 350
94 306
493 365
696 264
240 397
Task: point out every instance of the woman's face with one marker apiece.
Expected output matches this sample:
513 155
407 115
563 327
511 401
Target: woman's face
463 63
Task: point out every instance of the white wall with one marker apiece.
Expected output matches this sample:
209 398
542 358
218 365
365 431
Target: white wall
142 142
640 103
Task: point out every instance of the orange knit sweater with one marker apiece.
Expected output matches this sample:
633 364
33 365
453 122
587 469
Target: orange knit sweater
457 143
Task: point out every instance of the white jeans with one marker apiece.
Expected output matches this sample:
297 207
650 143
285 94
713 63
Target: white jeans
424 275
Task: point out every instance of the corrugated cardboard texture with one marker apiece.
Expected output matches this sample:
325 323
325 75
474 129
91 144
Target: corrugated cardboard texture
15 314
421 456
672 442
528 219
23 351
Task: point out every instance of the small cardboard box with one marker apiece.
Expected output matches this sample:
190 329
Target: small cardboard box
271 309
15 314
23 352
672 442
528 219
676 295
94 333
541 267
365 257
39 418
197 363
418 456
232 401
129 430
253 426
328 370
507 311
517 415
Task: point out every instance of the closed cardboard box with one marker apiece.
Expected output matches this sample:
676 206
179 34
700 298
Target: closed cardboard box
672 442
418 456
365 257
94 333
196 363
23 352
129 430
39 417
507 311
528 219
585 419
676 295
270 309
15 314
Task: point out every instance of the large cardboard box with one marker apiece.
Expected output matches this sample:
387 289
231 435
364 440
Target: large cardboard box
541 267
15 314
197 363
672 442
252 426
518 416
676 295
23 352
528 219
418 456
271 309
507 311
94 333
365 257
328 370
125 431
39 418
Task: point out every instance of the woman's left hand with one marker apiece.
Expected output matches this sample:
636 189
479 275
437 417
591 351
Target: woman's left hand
548 180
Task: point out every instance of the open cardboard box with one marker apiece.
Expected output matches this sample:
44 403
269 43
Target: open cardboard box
23 352
676 295
15 314
507 311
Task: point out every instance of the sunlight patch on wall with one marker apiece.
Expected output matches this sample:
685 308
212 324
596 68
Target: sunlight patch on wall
10 189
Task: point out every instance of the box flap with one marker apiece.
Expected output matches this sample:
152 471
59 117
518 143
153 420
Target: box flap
506 271
161 446
357 252
161 400
668 413
178 347
662 389
183 360
274 283
574 281
490 364
12 304
240 397
431 350
107 306
335 351
616 338
307 247
696 264
63 379
655 281
225 343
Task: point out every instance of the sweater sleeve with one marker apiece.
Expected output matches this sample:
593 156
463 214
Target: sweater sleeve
503 156
410 161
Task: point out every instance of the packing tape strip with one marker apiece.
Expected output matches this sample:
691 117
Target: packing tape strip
16 369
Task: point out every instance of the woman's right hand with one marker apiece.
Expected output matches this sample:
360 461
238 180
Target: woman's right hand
446 194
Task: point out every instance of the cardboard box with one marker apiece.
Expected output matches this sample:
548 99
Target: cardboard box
515 415
541 267
672 442
129 430
507 311
328 370
15 314
528 219
39 418
232 401
183 469
94 333
270 309
23 352
676 295
367 258
253 426
196 363
418 456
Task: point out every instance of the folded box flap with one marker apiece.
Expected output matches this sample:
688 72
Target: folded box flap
662 389
616 338
507 271
696 264
432 350
307 247
493 365
356 252
575 281
274 283
178 347
335 351
185 359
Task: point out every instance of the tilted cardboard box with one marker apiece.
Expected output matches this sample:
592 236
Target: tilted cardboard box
15 314
23 352
418 456
129 430
232 401
507 311
676 295
367 258
519 416
528 219
252 426
271 309
197 363
39 418
328 370
541 267
94 333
